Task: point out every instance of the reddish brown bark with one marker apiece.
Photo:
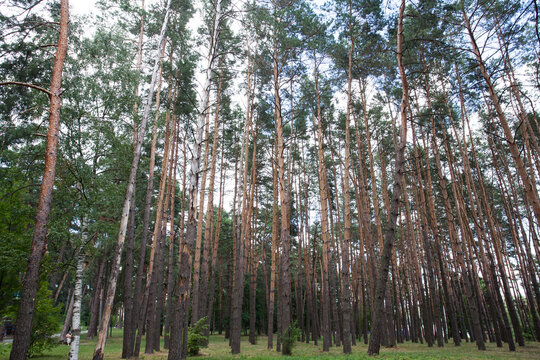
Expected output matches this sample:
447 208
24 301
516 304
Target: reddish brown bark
25 314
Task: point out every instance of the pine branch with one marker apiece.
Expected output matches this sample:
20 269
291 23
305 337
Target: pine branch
27 85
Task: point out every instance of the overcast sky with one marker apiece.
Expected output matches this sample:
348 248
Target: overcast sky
82 7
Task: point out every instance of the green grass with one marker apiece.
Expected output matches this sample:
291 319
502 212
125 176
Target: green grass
219 349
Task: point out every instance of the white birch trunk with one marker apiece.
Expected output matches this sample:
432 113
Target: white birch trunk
77 295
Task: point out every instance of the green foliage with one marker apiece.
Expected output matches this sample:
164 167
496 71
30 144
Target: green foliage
196 338
289 338
46 321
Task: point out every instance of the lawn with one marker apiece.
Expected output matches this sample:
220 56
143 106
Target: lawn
219 349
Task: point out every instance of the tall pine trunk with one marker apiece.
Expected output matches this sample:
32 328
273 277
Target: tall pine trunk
398 187
179 323
323 194
346 303
528 184
30 285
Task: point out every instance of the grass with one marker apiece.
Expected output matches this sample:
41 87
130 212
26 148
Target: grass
219 349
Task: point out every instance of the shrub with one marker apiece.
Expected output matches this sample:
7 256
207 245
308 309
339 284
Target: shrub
46 322
289 338
196 338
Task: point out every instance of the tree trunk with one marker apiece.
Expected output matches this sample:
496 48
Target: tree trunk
179 330
30 285
77 295
148 307
529 186
94 308
161 278
215 246
239 254
195 299
138 293
210 208
398 187
273 254
251 238
100 346
171 262
67 321
130 315
346 303
323 194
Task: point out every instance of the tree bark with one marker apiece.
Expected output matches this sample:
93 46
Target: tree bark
213 273
25 313
130 315
203 289
273 254
69 316
148 307
94 308
323 194
398 187
346 303
171 260
77 295
528 185
195 298
100 346
179 330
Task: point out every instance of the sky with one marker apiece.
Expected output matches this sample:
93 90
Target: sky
82 7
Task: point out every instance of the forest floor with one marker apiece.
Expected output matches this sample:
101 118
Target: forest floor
219 349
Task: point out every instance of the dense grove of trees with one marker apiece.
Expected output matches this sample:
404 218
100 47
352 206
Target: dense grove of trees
364 171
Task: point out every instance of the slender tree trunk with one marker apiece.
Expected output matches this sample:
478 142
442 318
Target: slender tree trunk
323 194
346 303
137 323
100 346
253 265
273 254
30 285
54 278
60 287
285 282
77 295
69 316
161 278
529 186
242 238
398 187
130 315
148 308
127 344
171 261
179 328
94 308
142 302
203 289
215 246
195 299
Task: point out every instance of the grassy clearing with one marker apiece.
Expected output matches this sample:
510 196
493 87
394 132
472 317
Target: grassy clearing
219 349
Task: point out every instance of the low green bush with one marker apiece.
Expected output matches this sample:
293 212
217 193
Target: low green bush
196 338
46 321
289 338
